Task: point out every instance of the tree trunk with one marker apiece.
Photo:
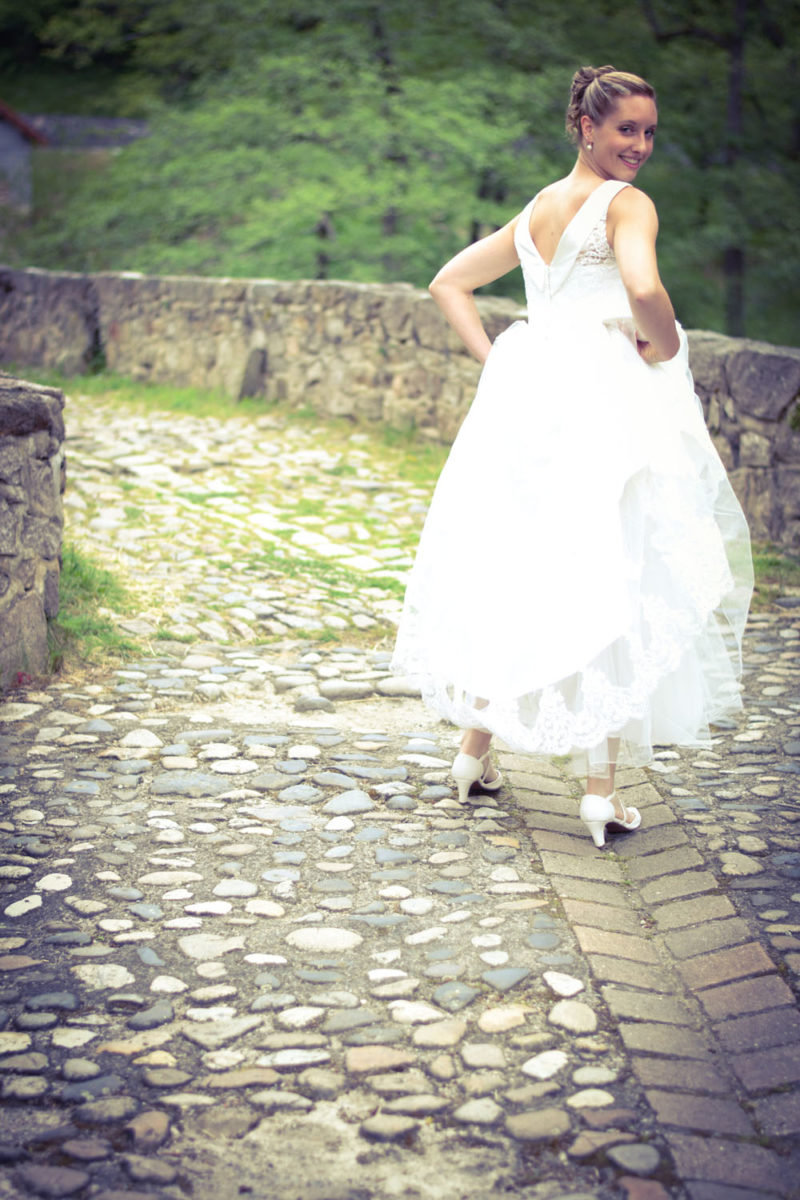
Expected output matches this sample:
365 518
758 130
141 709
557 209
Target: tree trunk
733 258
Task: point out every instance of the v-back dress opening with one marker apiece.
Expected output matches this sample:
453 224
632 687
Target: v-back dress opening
584 572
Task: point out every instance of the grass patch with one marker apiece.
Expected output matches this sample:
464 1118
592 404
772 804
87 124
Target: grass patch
341 469
340 581
84 631
775 572
205 497
143 396
305 506
403 453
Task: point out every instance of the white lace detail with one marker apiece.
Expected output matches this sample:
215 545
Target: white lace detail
596 251
612 696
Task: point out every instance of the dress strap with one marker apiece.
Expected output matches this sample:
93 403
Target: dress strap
610 189
521 231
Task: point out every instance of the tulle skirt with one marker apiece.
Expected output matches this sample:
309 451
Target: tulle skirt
584 573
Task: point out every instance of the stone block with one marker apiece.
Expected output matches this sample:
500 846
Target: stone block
603 916
773 1068
254 375
631 974
649 841
724 449
13 461
787 486
650 1037
705 1114
724 1191
572 842
707 354
51 599
712 935
764 380
41 536
675 887
44 488
779 1116
680 913
586 889
756 492
48 318
31 482
705 970
665 863
23 638
681 1073
746 996
622 945
11 518
643 1006
740 1164
755 450
776 1027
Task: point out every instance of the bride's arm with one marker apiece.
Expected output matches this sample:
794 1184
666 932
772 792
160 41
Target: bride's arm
632 233
473 267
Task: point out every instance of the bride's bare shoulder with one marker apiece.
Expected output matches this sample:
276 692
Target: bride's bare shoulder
631 208
631 202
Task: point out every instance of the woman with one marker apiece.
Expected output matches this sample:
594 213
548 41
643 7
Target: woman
583 578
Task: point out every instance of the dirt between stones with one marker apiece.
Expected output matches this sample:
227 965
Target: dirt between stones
321 1156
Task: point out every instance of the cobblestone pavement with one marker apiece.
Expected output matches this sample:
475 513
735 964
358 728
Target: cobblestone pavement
250 943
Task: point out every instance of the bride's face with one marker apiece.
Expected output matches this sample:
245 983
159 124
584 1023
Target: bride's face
622 144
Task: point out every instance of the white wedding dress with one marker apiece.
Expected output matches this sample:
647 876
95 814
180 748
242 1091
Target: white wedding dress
584 571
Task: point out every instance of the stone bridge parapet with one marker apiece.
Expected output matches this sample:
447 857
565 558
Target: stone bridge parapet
375 352
32 476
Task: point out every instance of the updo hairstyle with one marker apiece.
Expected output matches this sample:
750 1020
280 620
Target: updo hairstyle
594 93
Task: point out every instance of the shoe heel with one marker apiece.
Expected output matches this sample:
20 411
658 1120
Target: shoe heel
466 771
596 812
463 786
598 831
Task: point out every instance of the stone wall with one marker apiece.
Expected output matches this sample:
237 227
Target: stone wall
751 400
374 352
32 475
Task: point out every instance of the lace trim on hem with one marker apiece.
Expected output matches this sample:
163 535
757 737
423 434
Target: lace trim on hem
580 713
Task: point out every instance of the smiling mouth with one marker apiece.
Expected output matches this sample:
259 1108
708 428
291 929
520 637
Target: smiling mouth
632 162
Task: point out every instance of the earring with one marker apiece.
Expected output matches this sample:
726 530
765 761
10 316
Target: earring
590 146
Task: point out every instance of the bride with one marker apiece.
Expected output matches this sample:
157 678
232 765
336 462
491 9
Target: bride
584 574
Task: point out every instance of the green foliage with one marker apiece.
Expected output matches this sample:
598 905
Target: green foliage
775 573
299 176
84 629
370 141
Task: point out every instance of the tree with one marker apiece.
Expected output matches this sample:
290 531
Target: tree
739 31
369 139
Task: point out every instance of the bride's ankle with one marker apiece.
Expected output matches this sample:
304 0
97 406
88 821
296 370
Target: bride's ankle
475 743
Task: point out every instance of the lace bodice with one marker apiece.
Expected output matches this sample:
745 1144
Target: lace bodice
595 251
582 281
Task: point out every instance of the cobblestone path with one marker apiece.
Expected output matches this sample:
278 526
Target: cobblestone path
251 945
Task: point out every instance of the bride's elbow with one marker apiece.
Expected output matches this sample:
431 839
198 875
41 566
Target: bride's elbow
644 292
440 283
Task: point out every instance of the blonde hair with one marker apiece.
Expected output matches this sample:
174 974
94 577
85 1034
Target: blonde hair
595 92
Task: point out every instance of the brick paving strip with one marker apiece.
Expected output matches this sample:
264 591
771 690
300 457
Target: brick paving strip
710 1023
250 942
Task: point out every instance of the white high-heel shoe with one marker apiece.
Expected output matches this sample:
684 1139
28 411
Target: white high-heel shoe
598 811
468 770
